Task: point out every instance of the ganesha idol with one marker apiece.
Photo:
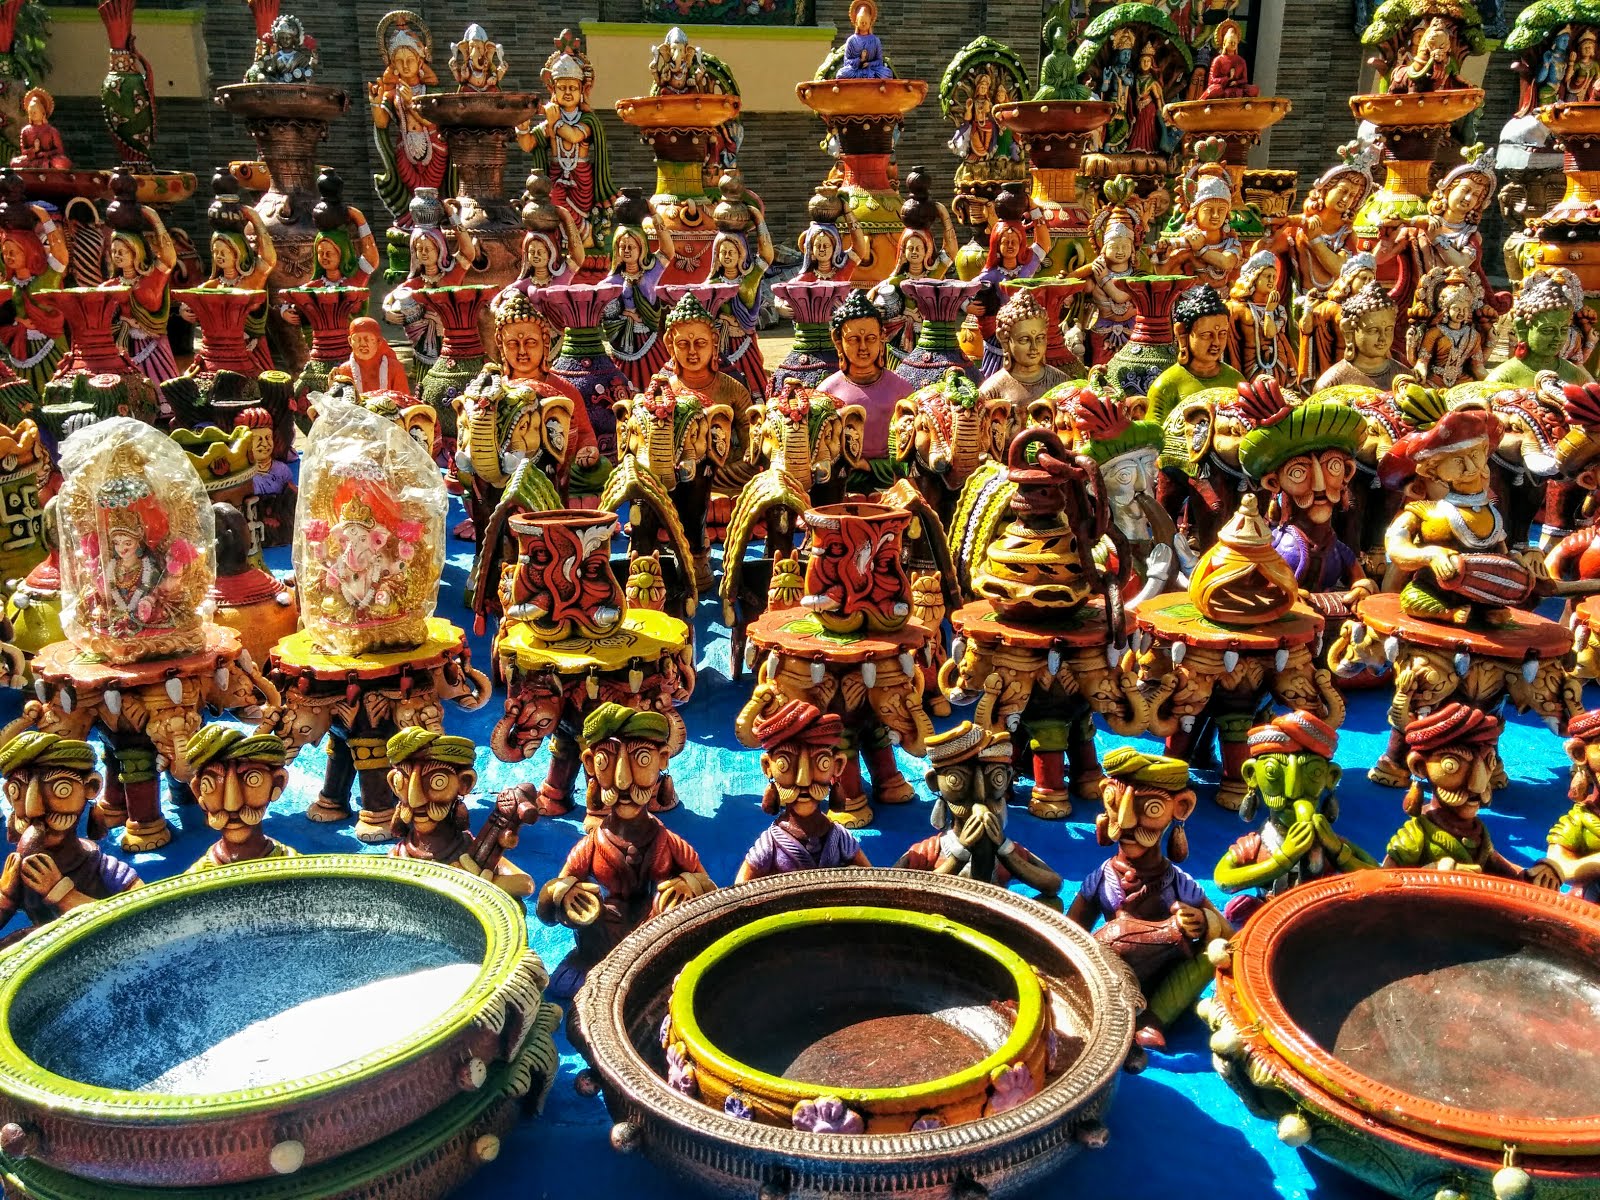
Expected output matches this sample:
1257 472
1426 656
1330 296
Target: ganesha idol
569 641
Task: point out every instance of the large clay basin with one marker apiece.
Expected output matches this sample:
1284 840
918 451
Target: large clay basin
257 1020
478 110
1388 110
1419 1027
952 942
1038 118
282 101
861 97
1245 114
693 110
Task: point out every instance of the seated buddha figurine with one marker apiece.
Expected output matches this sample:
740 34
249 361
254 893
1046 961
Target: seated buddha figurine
1366 326
863 51
39 145
1022 328
1228 77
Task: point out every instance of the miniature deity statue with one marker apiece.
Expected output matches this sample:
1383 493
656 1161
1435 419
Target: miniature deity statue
49 781
833 243
864 376
632 321
288 56
1448 234
1444 340
431 776
1259 327
1434 63
631 866
1057 79
143 258
969 773
570 143
1022 328
373 367
1453 751
741 253
1319 314
863 52
1205 246
1291 771
1367 327
677 67
39 145
984 146
1201 322
802 760
692 337
477 63
237 778
1315 243
523 344
1574 840
1543 313
1156 917
1228 77
1118 232
410 147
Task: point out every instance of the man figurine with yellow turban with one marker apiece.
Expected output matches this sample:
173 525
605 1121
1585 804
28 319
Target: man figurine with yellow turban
969 773
1454 750
1156 917
631 866
49 781
802 760
431 774
237 777
1291 771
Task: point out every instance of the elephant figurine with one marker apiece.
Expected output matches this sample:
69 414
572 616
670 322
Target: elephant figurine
501 425
939 435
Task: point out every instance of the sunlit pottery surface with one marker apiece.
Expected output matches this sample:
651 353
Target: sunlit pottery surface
896 994
1423 1029
257 1020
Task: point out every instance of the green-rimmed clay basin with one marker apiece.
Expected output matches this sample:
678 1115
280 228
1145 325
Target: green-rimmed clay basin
257 1020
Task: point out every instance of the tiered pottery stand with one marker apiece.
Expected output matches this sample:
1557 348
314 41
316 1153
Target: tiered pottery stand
221 314
1569 234
327 313
461 356
863 115
1153 346
1240 122
1054 133
145 709
1525 662
360 702
95 369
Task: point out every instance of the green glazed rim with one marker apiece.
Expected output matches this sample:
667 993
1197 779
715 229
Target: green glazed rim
25 1082
1028 1025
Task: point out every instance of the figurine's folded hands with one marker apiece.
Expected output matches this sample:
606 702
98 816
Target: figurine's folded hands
1191 920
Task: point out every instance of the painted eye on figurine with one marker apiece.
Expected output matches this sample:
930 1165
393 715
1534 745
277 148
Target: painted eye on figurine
439 781
1450 763
602 760
782 764
253 778
1155 808
644 756
822 764
63 788
13 791
999 779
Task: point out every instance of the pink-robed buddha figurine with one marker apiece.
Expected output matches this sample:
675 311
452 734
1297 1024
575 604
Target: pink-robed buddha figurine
1228 77
863 376
39 143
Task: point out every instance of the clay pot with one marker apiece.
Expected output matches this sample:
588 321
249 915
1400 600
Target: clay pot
1152 347
855 575
1242 580
563 586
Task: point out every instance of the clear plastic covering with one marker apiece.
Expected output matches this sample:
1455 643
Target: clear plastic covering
138 545
369 534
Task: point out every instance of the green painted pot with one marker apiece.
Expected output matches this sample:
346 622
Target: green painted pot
259 1020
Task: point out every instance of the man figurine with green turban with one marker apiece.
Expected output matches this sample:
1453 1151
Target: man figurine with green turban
49 781
237 776
1156 917
432 776
631 866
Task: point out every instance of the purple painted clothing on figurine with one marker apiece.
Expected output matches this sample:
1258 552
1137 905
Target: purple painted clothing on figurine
863 58
274 480
98 875
1103 889
778 851
878 399
1296 549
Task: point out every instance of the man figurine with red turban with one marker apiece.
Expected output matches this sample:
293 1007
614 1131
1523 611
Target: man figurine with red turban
1454 751
1291 771
1574 841
802 760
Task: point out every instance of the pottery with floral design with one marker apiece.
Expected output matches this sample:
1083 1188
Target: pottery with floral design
756 1137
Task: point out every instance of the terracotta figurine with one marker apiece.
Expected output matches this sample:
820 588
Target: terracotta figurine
1228 77
1366 327
1022 328
632 321
477 63
1543 313
237 778
1205 245
373 367
1574 840
1118 233
801 759
863 52
1201 322
288 54
1443 340
833 243
570 143
864 378
410 147
1260 343
39 144
1316 243
632 866
345 253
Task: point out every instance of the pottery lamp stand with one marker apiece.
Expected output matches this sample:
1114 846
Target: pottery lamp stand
646 663
1049 681
1211 676
873 680
359 703
147 711
1526 662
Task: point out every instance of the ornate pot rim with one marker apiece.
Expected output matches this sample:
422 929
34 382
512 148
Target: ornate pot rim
688 110
1243 114
1253 968
1038 117
1388 110
861 98
24 1082
1029 1024
478 110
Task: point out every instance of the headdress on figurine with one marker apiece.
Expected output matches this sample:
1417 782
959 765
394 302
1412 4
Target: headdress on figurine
854 307
566 67
808 238
1547 289
1436 430
1120 217
1261 260
45 97
1127 764
1124 39
687 310
1585 727
1103 429
1455 724
128 505
1207 178
1479 165
405 30
515 308
1298 732
798 723
1357 160
1580 445
1196 303
226 743
34 749
1308 428
617 721
425 744
1370 299
967 742
568 61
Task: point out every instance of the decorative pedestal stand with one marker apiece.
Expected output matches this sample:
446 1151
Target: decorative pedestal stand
95 370
862 116
359 702
582 360
147 711
461 356
680 131
1569 234
1524 662
327 313
1052 294
1054 133
941 303
288 121
221 314
18 398
812 358
1240 122
1152 347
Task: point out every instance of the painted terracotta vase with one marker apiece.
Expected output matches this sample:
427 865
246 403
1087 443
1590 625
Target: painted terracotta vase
222 314
563 586
125 96
1153 346
327 313
95 369
855 575
582 359
813 357
461 354
942 303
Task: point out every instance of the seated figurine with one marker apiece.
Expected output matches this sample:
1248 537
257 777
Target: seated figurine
1228 77
1022 327
237 778
286 55
864 378
1290 770
631 867
373 367
1156 917
969 771
49 781
39 144
1454 751
863 51
802 760
1574 841
431 775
